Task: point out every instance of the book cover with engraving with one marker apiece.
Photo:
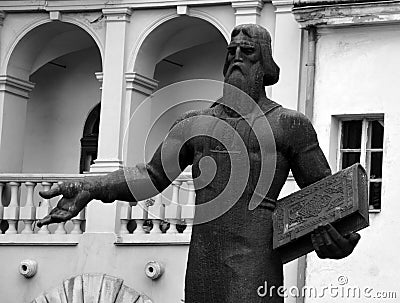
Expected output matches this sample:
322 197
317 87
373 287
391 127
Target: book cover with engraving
340 199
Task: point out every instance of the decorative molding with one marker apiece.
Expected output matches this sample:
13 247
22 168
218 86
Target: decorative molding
283 6
117 14
15 86
348 14
140 83
106 165
247 7
2 16
153 239
99 76
90 5
55 15
40 240
182 10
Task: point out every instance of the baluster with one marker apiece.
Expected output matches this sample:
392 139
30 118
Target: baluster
60 229
28 212
11 212
1 202
43 209
125 216
172 211
77 222
189 209
139 214
156 214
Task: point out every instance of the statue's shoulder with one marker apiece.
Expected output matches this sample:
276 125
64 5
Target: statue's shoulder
293 120
190 114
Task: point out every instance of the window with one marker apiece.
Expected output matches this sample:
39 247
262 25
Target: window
361 140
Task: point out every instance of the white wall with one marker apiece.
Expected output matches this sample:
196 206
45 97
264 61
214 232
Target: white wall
357 73
57 110
96 253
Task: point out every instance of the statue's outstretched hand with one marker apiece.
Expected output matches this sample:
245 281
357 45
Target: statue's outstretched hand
75 198
329 243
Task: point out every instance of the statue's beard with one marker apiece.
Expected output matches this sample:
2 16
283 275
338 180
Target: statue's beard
248 80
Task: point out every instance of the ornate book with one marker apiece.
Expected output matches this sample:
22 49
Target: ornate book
340 199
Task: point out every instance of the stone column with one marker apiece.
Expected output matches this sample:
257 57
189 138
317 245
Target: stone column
138 89
287 53
113 92
14 95
102 217
247 11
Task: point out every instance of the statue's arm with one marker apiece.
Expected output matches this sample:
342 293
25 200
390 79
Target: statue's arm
307 161
129 184
309 165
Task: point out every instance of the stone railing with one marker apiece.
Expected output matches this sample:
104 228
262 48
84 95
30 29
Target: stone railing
166 218
21 207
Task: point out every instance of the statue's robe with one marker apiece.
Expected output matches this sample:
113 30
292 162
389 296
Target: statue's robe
231 256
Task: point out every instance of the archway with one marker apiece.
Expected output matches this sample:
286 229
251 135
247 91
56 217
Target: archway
89 140
182 48
61 60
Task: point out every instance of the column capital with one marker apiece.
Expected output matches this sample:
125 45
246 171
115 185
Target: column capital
117 14
283 6
15 86
247 11
140 83
247 7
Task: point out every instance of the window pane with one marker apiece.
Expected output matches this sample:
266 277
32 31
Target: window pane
351 134
375 195
377 134
376 165
350 158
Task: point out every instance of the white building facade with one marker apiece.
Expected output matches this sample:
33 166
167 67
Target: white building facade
76 75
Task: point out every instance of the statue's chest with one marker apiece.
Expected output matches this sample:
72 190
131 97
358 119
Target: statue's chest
229 143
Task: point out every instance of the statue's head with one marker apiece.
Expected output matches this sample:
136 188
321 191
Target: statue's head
251 45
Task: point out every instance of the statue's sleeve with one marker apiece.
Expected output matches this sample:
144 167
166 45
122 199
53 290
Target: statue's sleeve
307 161
143 181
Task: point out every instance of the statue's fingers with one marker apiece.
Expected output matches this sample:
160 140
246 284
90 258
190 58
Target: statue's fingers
51 193
56 215
329 242
354 238
316 246
45 221
324 245
335 235
318 237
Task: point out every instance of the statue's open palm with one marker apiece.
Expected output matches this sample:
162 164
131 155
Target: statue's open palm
74 199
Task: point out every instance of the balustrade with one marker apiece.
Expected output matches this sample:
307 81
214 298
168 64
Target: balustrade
165 218
21 207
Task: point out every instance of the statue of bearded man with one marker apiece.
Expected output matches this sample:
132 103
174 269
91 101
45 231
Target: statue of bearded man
231 254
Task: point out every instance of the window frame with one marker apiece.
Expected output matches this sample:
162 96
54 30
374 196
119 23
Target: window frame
366 132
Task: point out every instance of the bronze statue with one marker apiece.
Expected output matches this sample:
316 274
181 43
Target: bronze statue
232 255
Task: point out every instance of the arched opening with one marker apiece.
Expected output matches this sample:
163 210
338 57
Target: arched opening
61 59
89 140
183 48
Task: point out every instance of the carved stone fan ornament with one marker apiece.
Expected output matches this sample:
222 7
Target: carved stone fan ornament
92 288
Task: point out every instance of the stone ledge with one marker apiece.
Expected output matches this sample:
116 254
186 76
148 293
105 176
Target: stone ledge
40 240
153 239
346 14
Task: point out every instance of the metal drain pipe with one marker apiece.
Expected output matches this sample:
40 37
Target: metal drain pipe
309 104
